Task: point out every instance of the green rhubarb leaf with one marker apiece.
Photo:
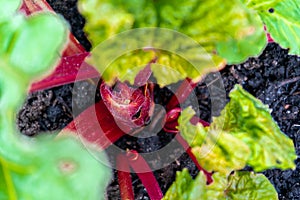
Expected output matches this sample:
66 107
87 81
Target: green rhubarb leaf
8 8
56 170
249 120
244 134
248 185
239 185
281 18
231 36
23 42
185 187
39 169
29 50
215 150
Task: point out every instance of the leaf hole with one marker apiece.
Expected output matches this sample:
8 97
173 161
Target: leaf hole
137 115
278 162
271 10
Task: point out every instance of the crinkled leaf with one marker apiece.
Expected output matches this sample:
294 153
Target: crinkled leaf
282 20
8 8
249 120
248 185
215 150
245 133
232 36
123 56
239 185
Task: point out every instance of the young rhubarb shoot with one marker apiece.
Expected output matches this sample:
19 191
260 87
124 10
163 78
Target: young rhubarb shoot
130 107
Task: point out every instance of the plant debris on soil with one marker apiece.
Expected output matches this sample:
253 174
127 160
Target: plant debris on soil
273 77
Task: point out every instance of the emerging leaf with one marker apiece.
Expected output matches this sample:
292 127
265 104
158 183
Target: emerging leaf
282 21
130 107
239 185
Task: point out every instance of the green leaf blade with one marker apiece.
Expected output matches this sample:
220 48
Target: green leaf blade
239 185
249 120
38 169
244 134
63 167
34 56
214 150
229 38
282 21
248 185
8 8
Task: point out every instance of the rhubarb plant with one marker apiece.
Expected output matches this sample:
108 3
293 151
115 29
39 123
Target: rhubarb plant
42 168
232 141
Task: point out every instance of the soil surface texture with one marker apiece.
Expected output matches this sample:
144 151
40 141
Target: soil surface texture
273 77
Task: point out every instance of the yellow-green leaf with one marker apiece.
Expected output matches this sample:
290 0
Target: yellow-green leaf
239 185
219 34
215 150
244 134
249 120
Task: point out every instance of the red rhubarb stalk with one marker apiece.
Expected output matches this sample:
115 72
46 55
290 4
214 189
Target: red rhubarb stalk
71 66
182 93
270 39
186 146
125 183
144 172
171 121
32 6
95 125
69 70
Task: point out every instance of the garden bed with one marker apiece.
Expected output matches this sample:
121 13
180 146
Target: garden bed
273 78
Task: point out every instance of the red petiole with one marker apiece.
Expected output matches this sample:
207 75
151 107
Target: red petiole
144 172
125 183
188 150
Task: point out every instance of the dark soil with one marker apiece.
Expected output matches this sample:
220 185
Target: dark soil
274 78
